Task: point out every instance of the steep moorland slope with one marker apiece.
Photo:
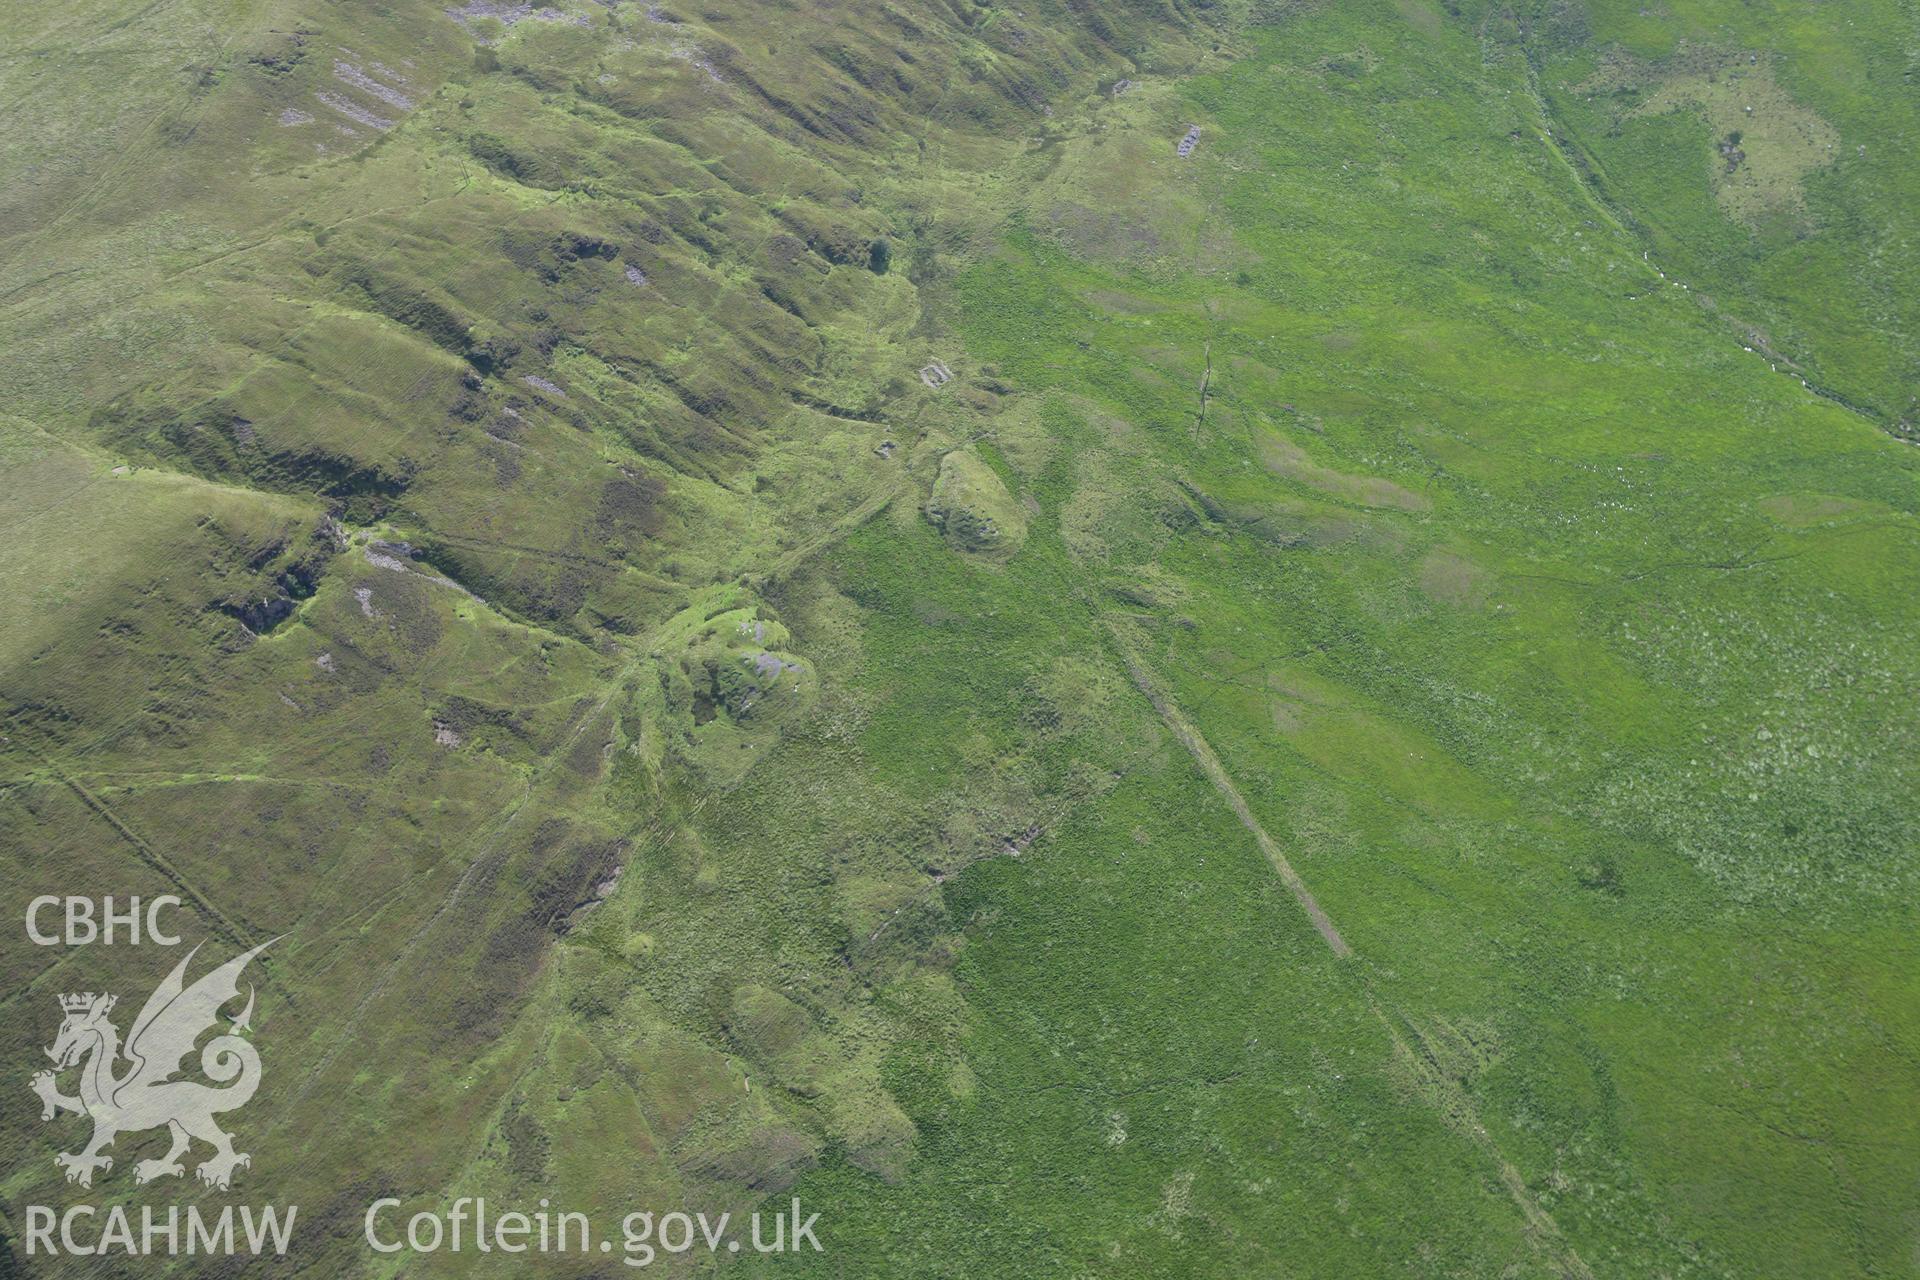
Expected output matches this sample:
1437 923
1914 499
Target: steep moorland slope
786 599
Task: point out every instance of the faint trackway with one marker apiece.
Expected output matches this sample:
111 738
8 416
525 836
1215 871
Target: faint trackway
1446 1095
157 861
1441 1090
116 165
1457 1108
491 854
1217 774
866 511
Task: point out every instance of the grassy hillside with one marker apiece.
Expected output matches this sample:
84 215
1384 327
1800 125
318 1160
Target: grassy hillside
786 601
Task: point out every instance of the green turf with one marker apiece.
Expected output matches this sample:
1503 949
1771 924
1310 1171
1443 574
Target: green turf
509 550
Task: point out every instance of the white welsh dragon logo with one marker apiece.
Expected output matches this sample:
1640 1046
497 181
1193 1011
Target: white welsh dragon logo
145 1095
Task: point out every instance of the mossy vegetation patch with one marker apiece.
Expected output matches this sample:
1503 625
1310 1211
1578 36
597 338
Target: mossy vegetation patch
1761 146
973 509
